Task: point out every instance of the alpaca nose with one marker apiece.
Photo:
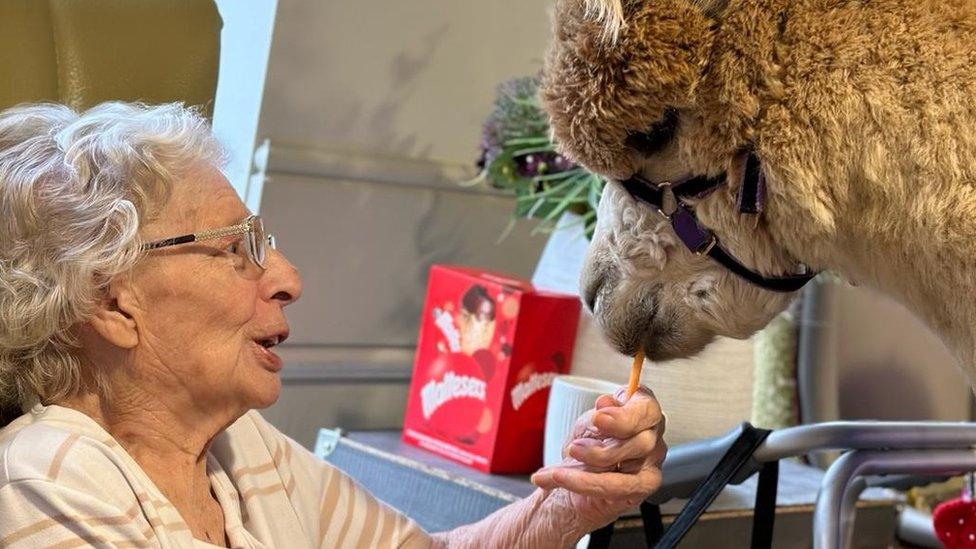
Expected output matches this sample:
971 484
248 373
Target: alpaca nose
591 289
597 278
589 298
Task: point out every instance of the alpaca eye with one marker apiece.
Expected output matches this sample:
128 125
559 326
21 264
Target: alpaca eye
656 138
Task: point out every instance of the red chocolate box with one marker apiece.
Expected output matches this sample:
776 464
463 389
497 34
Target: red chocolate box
489 348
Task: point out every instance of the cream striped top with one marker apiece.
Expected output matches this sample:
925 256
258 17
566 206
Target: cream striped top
65 482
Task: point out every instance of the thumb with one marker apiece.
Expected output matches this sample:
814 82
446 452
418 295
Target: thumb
606 401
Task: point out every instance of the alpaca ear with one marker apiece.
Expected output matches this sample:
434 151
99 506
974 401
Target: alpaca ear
613 12
713 9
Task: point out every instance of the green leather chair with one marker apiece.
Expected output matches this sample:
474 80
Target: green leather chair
84 52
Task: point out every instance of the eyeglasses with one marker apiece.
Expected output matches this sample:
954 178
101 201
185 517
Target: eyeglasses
257 241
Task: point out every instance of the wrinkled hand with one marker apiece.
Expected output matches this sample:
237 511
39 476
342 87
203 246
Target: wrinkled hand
612 462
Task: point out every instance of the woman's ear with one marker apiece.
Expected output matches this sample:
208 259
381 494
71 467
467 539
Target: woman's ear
113 316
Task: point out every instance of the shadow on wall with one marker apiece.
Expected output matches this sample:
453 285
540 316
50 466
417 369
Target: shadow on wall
350 112
405 69
438 239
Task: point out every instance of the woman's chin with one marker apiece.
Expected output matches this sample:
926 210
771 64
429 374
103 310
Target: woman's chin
265 392
260 387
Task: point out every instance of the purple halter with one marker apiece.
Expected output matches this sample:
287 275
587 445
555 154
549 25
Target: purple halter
667 200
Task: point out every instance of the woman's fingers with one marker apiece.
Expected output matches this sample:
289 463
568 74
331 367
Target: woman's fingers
604 401
631 466
602 437
617 450
607 485
611 451
582 429
639 413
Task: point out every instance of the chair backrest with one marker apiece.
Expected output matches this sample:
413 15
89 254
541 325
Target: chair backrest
84 52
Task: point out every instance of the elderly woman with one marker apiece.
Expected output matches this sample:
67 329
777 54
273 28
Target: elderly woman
140 303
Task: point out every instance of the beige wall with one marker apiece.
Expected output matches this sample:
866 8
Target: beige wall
363 230
409 78
374 111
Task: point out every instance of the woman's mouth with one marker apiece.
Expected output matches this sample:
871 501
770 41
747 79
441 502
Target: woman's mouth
263 349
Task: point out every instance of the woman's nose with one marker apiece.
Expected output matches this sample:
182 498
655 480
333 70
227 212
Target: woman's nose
284 284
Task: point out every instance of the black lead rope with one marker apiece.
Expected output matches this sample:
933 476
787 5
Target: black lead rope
764 517
737 456
752 190
653 525
731 463
786 284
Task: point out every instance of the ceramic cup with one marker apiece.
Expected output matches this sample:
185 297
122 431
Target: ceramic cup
569 398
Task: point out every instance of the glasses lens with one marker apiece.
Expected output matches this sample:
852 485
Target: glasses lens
259 241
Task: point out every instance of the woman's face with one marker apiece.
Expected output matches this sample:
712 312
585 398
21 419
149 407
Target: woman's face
203 310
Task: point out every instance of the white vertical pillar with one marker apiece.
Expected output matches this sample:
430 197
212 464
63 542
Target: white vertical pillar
245 44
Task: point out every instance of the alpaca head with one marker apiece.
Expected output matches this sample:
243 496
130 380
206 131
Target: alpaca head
614 92
623 85
645 287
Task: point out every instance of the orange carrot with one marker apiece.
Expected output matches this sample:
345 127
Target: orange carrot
635 372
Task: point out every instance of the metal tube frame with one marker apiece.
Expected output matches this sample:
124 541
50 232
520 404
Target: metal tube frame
834 514
873 448
866 435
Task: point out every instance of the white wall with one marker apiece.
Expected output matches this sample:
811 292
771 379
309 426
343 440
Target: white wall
245 42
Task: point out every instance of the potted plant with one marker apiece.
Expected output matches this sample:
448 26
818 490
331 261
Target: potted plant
517 155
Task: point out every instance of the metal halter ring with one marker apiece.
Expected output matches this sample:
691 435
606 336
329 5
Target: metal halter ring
669 202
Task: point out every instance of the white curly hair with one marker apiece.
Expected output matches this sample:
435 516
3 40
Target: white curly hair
74 189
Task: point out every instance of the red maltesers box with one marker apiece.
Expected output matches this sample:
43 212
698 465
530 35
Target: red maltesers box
489 348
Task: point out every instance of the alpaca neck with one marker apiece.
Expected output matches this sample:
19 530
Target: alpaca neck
880 207
920 252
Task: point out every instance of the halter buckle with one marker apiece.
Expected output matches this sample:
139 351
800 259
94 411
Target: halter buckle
707 247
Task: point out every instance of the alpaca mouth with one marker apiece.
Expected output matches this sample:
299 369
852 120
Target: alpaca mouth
628 332
649 335
626 323
654 331
656 347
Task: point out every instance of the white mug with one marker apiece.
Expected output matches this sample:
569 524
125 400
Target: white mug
569 398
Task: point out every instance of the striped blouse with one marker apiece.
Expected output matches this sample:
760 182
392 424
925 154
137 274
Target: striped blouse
65 482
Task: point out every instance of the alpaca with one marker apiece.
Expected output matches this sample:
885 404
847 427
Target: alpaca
862 115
